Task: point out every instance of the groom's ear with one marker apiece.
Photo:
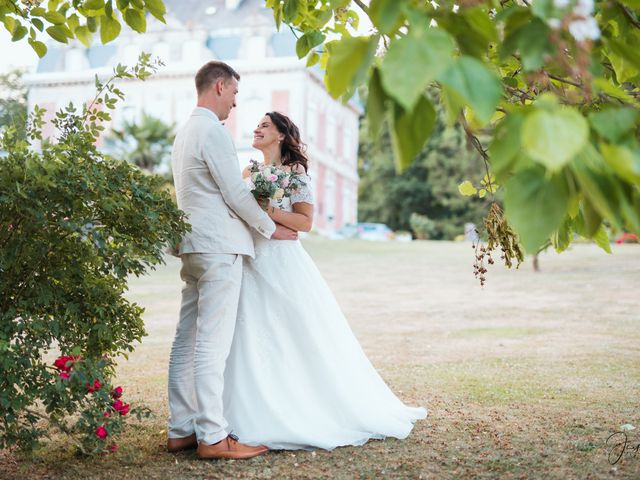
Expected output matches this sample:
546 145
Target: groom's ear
218 86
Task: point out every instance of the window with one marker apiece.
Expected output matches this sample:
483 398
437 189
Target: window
312 119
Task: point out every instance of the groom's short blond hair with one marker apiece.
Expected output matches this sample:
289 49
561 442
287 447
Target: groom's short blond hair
211 72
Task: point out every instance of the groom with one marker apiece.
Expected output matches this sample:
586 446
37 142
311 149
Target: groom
221 211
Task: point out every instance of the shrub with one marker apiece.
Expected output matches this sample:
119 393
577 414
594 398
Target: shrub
74 224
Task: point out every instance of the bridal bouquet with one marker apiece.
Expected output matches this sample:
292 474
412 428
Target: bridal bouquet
273 183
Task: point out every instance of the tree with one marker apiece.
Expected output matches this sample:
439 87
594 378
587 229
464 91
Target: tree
554 84
13 102
429 186
74 225
65 20
146 144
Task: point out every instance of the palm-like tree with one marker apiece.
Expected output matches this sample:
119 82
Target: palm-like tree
146 143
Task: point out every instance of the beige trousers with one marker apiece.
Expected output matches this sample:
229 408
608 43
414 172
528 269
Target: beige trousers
202 343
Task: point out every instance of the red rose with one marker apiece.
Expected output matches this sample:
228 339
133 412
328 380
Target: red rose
106 414
117 392
64 375
96 386
65 362
112 448
124 409
121 408
101 432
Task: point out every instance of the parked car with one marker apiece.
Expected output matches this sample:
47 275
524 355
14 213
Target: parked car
366 231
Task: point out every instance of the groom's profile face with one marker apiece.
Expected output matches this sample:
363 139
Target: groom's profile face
227 96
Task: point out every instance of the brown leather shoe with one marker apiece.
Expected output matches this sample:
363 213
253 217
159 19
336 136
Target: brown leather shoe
184 443
230 447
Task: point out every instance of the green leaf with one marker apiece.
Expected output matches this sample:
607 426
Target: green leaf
291 10
39 24
308 41
348 62
603 191
602 239
480 22
55 17
386 15
84 35
376 107
410 130
553 138
313 59
535 206
625 162
479 86
625 59
606 86
39 47
156 8
453 104
592 220
19 33
58 33
10 24
561 238
135 19
413 62
109 29
531 39
467 189
506 147
613 123
93 4
542 9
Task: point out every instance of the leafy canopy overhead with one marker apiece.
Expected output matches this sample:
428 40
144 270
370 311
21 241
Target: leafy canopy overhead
65 20
554 83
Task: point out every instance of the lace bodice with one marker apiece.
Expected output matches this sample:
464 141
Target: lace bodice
304 193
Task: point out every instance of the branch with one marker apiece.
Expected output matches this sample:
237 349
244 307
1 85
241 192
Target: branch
630 16
475 141
362 6
562 80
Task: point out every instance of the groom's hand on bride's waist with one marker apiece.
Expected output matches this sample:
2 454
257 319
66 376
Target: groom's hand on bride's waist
284 233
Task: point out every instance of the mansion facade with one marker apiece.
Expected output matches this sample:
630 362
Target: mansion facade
241 33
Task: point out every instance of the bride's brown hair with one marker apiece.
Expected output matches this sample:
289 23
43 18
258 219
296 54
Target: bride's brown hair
292 150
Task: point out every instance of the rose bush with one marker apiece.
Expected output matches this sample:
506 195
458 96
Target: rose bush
74 225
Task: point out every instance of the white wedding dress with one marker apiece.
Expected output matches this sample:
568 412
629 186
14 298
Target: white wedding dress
296 377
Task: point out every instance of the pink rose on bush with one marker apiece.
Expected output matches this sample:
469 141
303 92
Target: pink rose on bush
101 432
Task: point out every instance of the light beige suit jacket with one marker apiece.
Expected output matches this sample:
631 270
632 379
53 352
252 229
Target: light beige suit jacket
210 190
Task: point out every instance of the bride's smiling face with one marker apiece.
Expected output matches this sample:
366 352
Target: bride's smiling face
266 134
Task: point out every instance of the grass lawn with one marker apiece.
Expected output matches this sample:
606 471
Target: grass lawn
524 378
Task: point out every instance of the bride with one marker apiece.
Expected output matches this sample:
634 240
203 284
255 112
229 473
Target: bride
296 377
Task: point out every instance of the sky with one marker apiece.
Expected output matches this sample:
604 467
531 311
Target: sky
15 54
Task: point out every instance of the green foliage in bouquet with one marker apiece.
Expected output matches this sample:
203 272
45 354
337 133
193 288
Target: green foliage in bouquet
74 225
